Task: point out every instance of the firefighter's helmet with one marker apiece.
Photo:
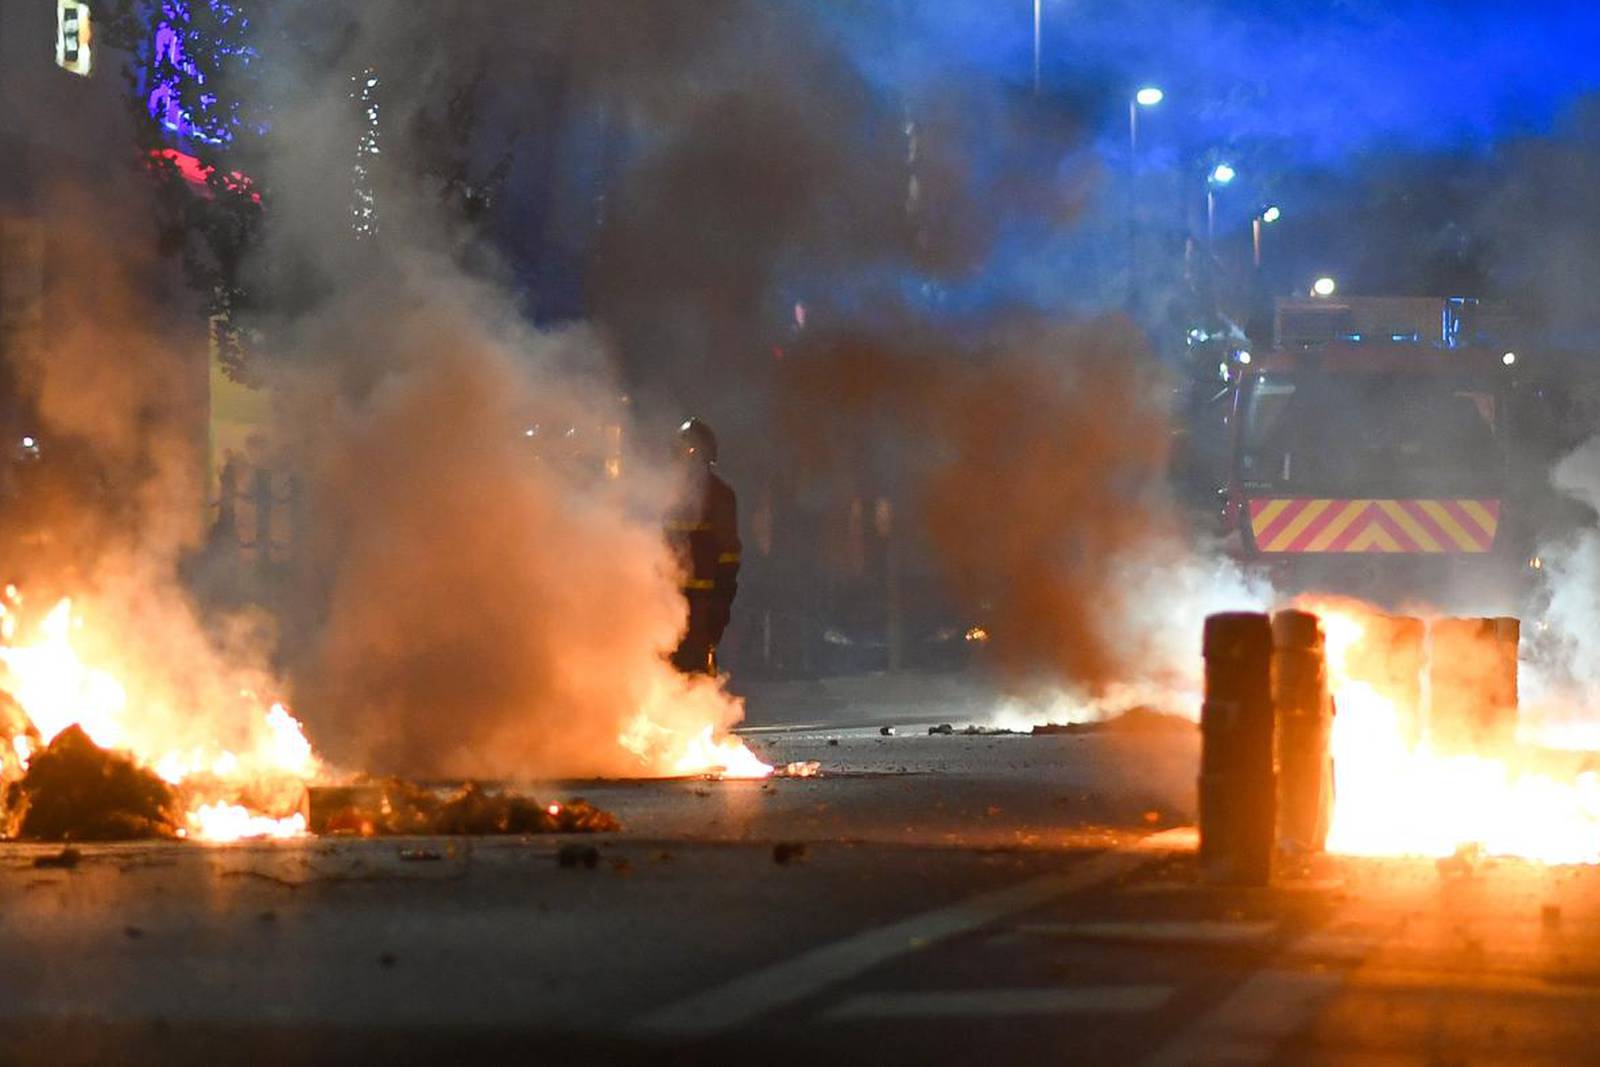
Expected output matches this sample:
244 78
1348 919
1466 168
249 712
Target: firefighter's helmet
696 439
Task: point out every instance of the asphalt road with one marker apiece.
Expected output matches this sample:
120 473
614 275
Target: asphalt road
1003 898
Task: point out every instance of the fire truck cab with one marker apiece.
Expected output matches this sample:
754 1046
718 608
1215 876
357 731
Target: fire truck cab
1368 454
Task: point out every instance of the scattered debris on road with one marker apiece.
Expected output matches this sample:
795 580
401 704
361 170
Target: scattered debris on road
395 806
787 852
65 860
886 731
808 768
575 855
420 855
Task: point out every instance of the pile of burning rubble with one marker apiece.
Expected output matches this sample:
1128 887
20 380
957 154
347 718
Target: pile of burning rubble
81 759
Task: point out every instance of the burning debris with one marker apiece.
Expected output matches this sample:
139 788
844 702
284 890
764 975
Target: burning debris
75 790
90 755
394 806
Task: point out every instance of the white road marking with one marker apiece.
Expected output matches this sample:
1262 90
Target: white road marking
1246 1028
1205 932
807 974
1003 1003
1266 1009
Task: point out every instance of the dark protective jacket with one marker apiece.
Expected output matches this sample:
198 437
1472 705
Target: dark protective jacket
703 531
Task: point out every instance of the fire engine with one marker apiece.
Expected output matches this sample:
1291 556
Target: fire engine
1369 452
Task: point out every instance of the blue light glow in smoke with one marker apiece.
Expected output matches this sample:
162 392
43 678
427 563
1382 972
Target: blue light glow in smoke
175 82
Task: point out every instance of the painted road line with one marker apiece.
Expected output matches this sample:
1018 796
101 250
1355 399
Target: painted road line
1246 1028
1205 932
1268 1008
793 980
1003 1003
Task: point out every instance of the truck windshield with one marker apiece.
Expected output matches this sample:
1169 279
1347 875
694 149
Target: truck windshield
1369 435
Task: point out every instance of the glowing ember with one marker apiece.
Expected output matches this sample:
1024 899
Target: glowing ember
1397 796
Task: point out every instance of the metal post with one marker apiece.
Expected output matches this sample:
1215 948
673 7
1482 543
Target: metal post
1133 203
1038 43
1305 720
1238 786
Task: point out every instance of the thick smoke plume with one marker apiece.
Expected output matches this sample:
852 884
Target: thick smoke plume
1034 470
493 603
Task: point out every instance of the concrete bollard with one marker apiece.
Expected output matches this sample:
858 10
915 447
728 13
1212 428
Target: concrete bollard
1238 787
1304 723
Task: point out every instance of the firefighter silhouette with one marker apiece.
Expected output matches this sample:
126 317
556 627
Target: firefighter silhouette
703 531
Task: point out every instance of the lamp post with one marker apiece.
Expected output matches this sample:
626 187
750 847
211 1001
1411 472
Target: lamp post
1038 42
1147 96
1264 217
1220 175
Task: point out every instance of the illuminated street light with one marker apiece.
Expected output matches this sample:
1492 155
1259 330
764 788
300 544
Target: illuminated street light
1220 175
1509 358
1323 286
1268 214
1145 96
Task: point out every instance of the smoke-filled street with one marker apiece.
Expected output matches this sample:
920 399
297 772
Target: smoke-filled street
954 897
766 531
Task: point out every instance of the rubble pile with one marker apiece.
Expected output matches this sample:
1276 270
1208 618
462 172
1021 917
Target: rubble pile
391 806
77 791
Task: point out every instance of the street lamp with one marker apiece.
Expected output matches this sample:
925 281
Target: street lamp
1148 96
1323 286
1038 42
1145 96
1220 175
1266 216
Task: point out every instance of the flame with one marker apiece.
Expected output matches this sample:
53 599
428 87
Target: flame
672 752
676 732
228 793
231 822
1398 796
